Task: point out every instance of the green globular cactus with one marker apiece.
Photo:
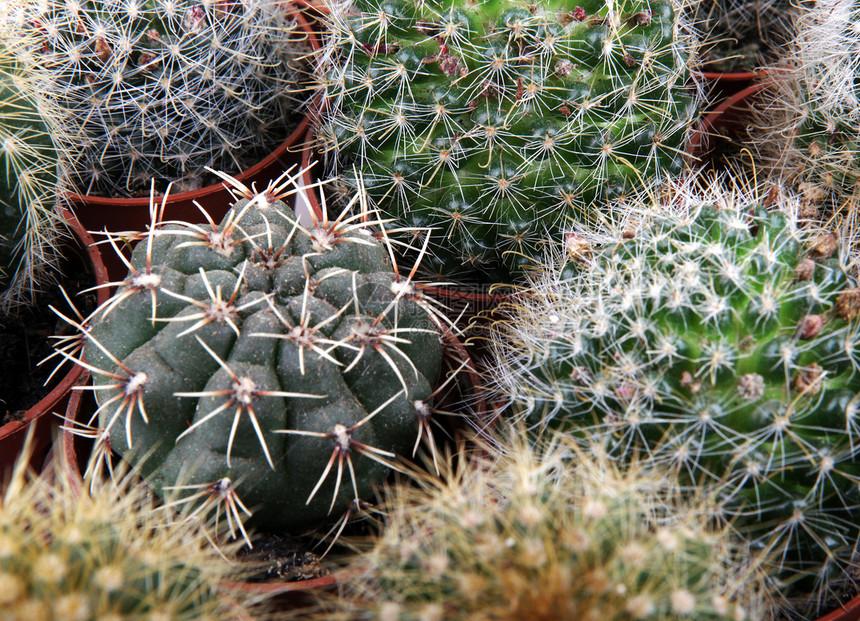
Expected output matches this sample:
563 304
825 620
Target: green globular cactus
495 123
107 551
280 368
160 89
722 343
30 228
545 534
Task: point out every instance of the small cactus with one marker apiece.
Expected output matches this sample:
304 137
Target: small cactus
30 229
108 552
497 122
161 89
279 368
544 534
722 342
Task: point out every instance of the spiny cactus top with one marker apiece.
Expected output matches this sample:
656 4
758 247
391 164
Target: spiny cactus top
162 88
545 534
725 345
108 552
261 361
495 122
29 226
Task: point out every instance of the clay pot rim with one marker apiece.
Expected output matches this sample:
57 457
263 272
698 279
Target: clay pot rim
64 385
292 142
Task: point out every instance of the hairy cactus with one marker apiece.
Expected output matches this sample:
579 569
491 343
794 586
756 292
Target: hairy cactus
108 552
722 343
29 226
497 122
162 89
545 534
262 361
740 35
806 131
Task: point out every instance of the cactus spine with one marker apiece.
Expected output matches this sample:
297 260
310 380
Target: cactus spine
723 343
283 366
497 122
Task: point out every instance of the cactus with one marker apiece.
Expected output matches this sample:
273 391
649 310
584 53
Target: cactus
29 227
722 342
497 122
108 552
284 368
741 35
159 90
805 132
544 534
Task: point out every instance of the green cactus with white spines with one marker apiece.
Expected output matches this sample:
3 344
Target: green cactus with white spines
107 551
30 229
722 342
544 533
497 122
286 367
160 89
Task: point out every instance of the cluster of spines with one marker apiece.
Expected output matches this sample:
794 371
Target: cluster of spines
723 343
496 125
161 89
544 533
218 302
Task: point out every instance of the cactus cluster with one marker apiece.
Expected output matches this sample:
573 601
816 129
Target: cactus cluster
29 226
275 368
106 551
160 89
543 533
723 343
495 123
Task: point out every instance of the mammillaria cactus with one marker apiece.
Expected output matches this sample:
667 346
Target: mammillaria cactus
162 88
805 132
29 226
282 369
108 552
497 122
723 343
545 534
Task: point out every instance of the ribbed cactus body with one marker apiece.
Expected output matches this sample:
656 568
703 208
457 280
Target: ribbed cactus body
723 346
161 89
278 358
29 227
497 122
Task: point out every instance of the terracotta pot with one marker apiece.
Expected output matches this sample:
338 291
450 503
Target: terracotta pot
849 611
722 121
12 435
99 213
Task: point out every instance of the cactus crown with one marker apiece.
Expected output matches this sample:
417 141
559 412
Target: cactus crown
157 89
108 552
284 366
722 343
545 533
496 122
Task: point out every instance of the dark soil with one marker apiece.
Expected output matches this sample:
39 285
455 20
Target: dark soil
24 337
284 558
